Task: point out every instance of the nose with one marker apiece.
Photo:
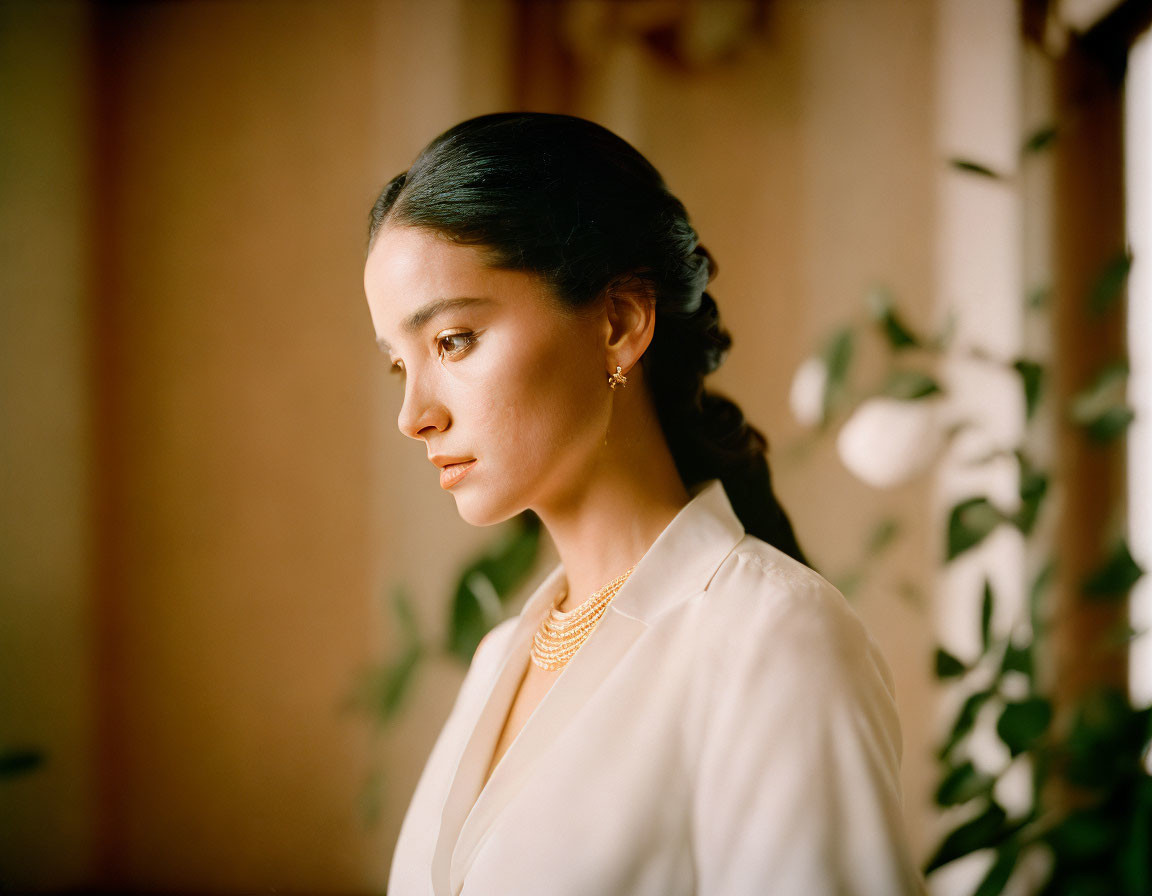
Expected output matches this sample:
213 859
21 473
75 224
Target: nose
422 410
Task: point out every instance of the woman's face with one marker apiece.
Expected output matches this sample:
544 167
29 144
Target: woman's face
495 373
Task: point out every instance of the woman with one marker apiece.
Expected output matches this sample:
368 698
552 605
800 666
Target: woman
683 706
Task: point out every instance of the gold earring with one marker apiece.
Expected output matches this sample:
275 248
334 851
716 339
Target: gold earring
617 378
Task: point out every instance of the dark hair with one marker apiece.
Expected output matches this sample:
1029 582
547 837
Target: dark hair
570 201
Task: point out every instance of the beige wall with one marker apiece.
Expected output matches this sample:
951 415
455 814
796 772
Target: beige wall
237 536
255 501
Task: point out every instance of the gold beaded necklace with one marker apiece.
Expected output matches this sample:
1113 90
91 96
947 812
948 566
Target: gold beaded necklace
561 634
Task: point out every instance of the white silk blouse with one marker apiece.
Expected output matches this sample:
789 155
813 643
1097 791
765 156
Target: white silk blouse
728 729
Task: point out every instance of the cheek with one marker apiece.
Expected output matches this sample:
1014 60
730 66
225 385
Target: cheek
542 402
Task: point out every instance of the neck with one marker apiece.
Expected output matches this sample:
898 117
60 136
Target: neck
627 498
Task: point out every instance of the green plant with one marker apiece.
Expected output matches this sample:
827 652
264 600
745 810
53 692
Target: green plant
1090 807
1091 793
484 590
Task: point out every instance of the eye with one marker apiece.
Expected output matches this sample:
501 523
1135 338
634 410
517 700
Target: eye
454 343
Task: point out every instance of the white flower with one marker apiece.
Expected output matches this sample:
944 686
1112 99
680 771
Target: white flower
807 394
887 441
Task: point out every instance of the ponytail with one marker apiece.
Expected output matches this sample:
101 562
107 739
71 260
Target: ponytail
707 433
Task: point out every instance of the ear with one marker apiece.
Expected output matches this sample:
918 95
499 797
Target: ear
630 321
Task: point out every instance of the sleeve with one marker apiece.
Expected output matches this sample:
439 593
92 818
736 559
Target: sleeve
797 790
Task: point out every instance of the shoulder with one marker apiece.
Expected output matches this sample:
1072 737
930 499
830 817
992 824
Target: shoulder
761 584
493 643
755 563
764 608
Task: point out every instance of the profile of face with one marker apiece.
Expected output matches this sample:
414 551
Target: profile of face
495 371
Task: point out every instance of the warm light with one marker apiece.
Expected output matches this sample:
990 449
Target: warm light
1138 149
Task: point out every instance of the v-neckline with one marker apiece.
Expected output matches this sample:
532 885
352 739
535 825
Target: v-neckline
475 799
494 761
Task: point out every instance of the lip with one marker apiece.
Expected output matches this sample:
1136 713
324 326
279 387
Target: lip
443 460
452 473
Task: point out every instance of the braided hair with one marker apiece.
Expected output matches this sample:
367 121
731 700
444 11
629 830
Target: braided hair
568 200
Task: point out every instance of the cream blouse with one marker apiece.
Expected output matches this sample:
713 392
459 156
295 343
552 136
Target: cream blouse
727 729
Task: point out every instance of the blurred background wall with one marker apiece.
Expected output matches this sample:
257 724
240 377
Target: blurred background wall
207 503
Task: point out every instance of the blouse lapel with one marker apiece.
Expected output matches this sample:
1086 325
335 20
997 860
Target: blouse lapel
694 544
486 723
572 689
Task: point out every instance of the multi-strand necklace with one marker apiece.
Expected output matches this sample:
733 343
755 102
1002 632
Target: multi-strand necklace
561 634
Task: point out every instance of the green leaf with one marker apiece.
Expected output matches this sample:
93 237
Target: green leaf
370 798
947 666
512 559
1111 424
1036 593
1083 834
1135 854
1039 297
909 385
1113 579
1100 408
1115 723
986 616
969 523
971 167
1110 283
882 535
488 582
986 831
472 614
1022 724
1102 749
943 339
848 583
911 594
883 312
20 761
405 617
997 877
1017 659
965 720
1078 882
1138 731
837 356
1033 488
1039 139
1032 379
1120 634
395 682
962 783
381 690
897 334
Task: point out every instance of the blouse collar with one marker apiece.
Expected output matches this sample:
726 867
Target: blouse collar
680 563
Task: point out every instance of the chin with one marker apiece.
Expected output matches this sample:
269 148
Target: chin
480 509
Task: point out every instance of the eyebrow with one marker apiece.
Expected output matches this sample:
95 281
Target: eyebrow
419 318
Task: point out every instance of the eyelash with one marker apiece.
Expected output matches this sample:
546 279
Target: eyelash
469 340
